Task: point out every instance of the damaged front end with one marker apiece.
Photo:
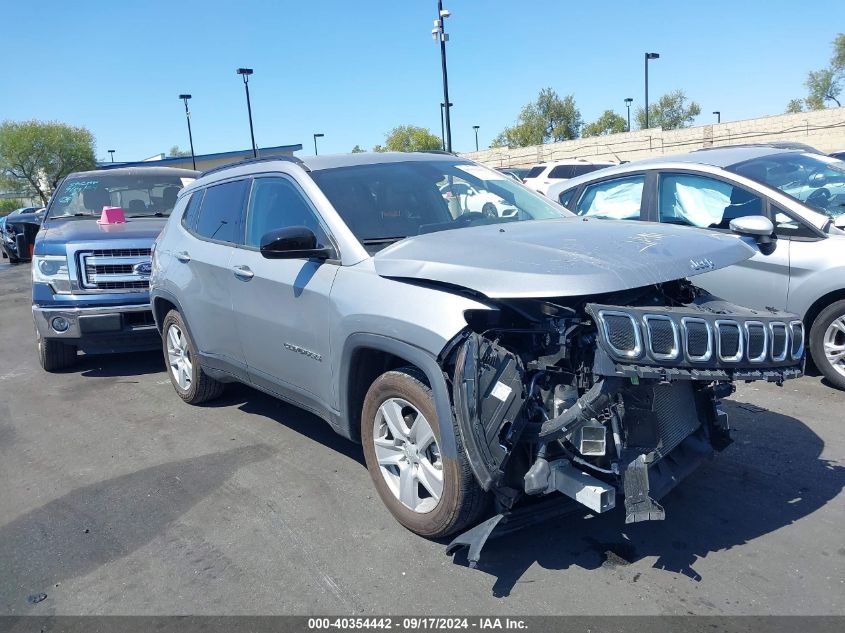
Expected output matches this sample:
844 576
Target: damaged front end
609 394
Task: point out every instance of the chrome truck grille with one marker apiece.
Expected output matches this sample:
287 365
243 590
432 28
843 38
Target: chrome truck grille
116 269
699 339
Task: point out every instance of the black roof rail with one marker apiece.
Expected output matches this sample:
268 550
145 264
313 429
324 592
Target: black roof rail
247 161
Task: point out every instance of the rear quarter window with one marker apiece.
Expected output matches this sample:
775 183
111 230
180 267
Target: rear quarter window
189 218
535 171
562 171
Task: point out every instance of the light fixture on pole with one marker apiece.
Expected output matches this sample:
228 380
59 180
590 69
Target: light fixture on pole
718 116
648 56
475 127
316 136
190 135
245 73
111 152
628 102
439 33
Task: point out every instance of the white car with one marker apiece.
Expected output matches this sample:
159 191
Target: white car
541 176
472 200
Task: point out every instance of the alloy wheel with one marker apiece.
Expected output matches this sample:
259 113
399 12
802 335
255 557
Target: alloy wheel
179 357
408 455
834 344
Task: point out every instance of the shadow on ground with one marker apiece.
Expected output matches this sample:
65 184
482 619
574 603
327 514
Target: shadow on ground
96 524
118 365
770 477
256 402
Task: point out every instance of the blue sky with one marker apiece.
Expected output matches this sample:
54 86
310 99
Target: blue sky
354 69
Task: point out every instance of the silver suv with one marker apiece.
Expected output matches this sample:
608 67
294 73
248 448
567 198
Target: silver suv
480 359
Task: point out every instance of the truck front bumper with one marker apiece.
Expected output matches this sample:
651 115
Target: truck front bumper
99 329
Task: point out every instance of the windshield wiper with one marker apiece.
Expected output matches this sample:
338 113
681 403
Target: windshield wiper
381 240
157 214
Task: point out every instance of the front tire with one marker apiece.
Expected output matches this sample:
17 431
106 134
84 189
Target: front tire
186 374
427 492
827 343
54 355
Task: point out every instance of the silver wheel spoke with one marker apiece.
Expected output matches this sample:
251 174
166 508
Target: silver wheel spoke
838 324
421 433
392 413
387 453
431 478
408 493
834 353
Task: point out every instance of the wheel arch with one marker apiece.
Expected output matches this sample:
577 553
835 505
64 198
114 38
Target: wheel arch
820 304
365 357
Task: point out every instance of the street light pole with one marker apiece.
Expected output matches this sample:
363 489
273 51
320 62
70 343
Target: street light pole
648 56
718 116
628 102
475 127
111 152
316 136
245 73
439 32
442 128
190 135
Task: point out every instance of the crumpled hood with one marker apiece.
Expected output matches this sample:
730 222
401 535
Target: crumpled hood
56 233
557 258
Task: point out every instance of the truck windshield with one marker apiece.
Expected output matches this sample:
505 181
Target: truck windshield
385 202
140 195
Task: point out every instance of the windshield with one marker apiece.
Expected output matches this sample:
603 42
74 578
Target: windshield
816 180
385 202
139 195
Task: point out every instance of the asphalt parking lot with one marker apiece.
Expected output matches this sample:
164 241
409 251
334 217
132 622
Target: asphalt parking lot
117 498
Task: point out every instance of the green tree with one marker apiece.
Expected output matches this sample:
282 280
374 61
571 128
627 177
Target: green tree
175 151
608 123
671 112
36 155
826 84
358 150
823 85
409 138
794 105
547 119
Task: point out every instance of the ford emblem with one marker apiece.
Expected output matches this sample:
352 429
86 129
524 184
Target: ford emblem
144 269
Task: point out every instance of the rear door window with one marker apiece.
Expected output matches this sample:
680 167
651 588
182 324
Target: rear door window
535 171
562 172
618 199
221 212
580 170
704 202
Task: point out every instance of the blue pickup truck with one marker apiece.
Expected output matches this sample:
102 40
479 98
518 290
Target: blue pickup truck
91 270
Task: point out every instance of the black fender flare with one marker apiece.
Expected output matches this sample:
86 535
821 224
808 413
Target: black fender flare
415 356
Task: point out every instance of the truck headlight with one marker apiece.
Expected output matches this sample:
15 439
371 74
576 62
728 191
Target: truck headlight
53 270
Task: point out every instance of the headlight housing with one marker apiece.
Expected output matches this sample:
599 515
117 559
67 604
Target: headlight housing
53 270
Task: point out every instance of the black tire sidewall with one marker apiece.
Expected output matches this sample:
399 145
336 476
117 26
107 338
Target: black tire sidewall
437 522
817 331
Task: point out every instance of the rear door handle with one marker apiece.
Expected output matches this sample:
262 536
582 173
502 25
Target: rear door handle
243 272
183 257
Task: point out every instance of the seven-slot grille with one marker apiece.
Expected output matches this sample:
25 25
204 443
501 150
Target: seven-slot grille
115 269
698 340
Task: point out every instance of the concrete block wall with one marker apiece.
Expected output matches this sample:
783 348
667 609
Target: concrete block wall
823 129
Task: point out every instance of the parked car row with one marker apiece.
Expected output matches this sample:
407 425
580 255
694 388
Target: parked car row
801 193
482 358
17 233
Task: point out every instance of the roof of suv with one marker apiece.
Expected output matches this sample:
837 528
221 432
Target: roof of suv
136 171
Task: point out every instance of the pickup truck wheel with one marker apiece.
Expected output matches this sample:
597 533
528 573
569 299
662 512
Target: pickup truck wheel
827 343
55 355
189 380
428 493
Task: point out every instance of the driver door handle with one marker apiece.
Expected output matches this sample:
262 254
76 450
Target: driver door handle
183 257
243 272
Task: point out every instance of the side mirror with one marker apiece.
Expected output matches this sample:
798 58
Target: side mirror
294 242
757 227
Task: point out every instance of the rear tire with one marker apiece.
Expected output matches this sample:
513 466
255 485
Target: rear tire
409 461
827 343
54 355
186 374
